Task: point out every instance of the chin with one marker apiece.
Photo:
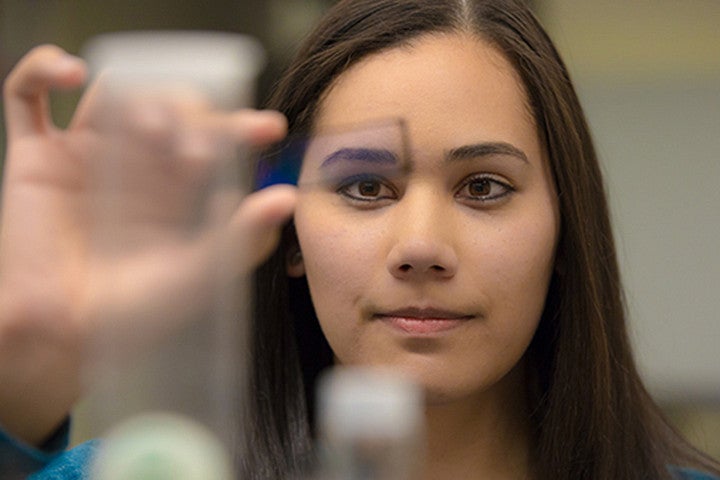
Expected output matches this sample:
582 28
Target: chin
442 388
439 395
436 397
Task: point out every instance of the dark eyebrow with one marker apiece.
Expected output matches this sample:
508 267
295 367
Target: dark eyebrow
365 155
485 149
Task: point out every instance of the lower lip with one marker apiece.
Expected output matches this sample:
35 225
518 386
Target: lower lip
423 326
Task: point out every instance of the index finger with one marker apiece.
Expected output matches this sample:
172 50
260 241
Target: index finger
26 88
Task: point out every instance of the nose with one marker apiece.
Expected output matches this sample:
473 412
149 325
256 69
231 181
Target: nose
421 249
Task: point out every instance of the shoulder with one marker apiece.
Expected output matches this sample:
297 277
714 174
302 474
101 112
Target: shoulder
691 474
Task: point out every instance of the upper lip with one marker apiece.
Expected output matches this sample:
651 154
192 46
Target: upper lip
425 313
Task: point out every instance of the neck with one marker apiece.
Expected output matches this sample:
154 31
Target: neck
481 437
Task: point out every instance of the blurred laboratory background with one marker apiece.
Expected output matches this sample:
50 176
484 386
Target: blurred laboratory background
648 74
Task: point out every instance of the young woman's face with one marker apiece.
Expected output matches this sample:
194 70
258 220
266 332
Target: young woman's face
441 272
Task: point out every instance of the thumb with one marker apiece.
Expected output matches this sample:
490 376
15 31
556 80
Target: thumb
255 228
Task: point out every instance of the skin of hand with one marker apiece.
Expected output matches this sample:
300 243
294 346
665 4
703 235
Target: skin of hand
57 289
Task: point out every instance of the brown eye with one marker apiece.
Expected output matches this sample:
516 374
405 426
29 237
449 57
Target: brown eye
369 188
480 187
484 189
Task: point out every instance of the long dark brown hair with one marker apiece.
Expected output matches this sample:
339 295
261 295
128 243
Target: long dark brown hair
592 417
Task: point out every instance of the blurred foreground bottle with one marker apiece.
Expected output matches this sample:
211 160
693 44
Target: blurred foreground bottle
371 426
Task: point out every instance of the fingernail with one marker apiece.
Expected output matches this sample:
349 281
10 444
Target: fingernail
69 62
271 114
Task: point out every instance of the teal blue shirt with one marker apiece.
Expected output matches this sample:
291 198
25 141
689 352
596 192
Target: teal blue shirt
50 461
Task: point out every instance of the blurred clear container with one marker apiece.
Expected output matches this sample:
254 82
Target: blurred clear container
173 351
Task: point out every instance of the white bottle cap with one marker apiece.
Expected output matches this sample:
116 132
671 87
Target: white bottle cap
161 446
361 402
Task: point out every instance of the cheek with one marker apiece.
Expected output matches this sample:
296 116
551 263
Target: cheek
511 269
524 261
338 259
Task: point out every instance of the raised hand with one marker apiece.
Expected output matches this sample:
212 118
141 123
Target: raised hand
61 283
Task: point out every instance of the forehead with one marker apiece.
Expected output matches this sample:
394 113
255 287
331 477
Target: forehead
448 88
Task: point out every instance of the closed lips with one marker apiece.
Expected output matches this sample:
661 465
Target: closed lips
424 314
423 321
